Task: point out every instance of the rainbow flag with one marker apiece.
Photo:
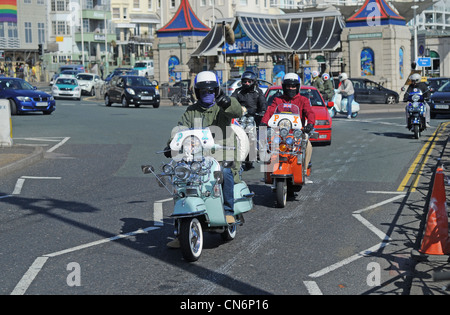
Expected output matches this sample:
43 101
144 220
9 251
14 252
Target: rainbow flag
8 11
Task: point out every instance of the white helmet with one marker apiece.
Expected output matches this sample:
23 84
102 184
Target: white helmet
415 78
315 74
325 76
343 76
206 80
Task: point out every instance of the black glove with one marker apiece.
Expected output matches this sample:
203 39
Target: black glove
308 128
222 100
167 152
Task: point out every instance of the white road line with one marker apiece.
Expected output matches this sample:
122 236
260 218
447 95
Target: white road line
38 264
158 212
312 287
58 145
21 181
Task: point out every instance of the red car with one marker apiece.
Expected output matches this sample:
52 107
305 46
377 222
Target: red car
323 120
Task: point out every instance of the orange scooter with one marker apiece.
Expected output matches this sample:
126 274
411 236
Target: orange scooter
286 168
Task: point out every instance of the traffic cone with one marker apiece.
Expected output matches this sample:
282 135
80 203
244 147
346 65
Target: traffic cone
436 240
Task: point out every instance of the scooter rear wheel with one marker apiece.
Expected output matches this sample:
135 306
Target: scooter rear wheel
230 233
191 239
281 191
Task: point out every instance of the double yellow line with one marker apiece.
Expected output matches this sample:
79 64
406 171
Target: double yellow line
422 159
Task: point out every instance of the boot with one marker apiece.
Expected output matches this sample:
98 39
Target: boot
175 243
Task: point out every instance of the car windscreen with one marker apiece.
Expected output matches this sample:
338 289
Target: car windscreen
138 81
140 65
85 77
67 81
12 84
445 87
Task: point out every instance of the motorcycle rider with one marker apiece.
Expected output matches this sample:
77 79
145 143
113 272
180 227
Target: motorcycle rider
328 89
417 84
347 91
291 95
251 96
213 108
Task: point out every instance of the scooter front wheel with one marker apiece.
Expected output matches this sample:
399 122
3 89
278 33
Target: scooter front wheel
191 239
281 191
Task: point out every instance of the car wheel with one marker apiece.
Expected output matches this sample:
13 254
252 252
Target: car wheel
92 93
390 99
13 107
124 101
107 100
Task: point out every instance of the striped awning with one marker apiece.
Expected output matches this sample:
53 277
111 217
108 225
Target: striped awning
282 33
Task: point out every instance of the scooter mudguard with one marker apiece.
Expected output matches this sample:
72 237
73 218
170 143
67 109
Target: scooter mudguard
241 202
216 215
189 206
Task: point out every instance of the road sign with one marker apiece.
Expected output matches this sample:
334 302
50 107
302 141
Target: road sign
424 62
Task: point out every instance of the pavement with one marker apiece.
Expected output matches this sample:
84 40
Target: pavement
17 157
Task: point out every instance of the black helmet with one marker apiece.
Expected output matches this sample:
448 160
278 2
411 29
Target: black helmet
206 80
248 75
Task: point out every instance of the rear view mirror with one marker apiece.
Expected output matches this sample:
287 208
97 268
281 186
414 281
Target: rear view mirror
330 104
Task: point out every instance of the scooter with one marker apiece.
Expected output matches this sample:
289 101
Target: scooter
338 105
416 112
248 124
196 176
285 167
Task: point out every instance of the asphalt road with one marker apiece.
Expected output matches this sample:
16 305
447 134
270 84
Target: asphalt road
85 220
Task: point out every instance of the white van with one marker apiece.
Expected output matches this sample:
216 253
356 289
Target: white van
145 68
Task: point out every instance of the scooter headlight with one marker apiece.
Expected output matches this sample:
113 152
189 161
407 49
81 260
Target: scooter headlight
297 133
192 145
182 172
290 141
284 132
196 167
167 169
285 124
415 98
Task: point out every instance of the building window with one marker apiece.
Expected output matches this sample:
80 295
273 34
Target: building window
136 4
367 62
41 33
28 37
116 13
12 30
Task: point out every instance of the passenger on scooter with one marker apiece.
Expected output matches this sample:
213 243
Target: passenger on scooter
291 88
251 96
317 82
328 89
417 84
213 108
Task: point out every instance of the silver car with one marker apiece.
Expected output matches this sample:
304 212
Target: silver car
89 82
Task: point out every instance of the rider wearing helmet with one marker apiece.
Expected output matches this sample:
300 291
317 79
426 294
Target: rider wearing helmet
250 95
213 108
317 81
346 89
291 95
328 89
417 84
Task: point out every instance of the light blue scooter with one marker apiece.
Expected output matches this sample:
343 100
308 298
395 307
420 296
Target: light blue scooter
340 106
196 176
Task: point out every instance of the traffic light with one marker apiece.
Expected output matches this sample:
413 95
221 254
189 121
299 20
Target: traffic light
40 49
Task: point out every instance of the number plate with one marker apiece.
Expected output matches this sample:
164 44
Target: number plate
441 106
147 98
41 104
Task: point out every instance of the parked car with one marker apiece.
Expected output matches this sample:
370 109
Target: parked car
66 88
440 100
436 83
234 83
145 68
89 82
75 68
23 97
324 122
132 89
367 91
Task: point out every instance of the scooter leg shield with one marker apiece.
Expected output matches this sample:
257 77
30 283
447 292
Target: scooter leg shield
242 203
189 206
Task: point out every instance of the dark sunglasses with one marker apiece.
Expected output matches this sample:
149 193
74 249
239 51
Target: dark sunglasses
207 91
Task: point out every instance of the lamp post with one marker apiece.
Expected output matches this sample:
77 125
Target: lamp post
309 34
180 42
414 7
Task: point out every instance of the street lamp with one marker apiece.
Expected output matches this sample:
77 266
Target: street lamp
414 7
180 42
309 34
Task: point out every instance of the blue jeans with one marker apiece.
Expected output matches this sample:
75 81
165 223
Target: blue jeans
228 189
350 99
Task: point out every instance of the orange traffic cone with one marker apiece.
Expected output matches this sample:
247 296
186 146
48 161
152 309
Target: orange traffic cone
436 240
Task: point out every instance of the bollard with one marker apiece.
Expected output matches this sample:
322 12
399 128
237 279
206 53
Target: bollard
5 124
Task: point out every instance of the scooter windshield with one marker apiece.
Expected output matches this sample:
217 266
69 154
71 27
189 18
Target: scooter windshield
287 108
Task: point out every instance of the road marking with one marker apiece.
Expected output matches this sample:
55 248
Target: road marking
39 262
312 287
20 182
59 144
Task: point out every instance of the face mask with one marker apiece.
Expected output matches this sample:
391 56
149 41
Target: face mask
207 100
290 93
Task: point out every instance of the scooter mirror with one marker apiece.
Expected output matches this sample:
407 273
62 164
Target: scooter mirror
330 104
218 175
147 169
403 89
